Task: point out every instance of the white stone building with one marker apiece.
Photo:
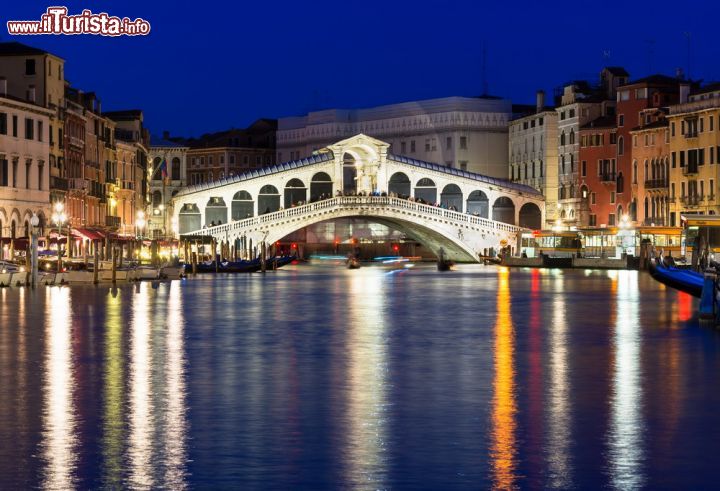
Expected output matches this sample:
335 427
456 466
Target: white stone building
162 190
24 166
533 153
460 132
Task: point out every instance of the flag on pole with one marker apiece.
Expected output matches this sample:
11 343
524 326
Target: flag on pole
163 169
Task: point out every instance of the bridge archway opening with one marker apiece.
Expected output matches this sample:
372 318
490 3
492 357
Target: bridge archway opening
320 185
295 193
530 216
216 211
478 204
243 205
189 219
452 197
426 190
268 199
504 210
349 174
399 184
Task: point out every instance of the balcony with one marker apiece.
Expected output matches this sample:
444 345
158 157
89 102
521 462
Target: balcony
112 222
691 134
76 142
657 221
691 200
690 169
110 180
79 184
656 184
608 177
58 183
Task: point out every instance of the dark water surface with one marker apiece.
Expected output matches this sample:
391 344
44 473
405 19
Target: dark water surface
316 378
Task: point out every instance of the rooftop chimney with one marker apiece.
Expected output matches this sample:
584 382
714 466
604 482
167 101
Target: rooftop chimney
540 100
3 86
166 135
684 92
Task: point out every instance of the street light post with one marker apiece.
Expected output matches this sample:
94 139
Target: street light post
34 222
59 218
140 224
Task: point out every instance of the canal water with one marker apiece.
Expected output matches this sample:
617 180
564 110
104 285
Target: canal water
319 378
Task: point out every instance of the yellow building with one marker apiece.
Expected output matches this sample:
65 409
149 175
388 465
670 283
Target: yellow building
694 149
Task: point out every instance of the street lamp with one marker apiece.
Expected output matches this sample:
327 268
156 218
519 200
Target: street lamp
59 218
140 223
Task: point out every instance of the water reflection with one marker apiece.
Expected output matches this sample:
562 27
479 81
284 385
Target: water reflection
59 440
558 392
175 392
626 453
141 422
113 424
504 447
367 374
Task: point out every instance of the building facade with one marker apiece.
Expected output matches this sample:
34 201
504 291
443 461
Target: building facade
127 173
580 103
229 153
460 132
650 169
24 169
164 188
694 141
597 173
36 76
533 154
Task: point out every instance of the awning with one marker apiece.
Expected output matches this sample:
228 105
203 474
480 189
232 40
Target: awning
86 233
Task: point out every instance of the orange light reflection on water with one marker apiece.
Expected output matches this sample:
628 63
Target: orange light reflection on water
503 450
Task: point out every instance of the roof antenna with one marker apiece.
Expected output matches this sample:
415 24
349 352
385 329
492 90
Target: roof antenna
484 70
606 56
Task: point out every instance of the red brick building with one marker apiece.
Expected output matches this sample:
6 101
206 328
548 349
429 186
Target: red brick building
599 181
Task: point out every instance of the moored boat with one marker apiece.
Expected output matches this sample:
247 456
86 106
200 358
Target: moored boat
685 280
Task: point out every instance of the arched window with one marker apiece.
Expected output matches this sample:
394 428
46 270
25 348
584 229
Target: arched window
635 171
562 138
572 137
620 183
175 173
621 145
157 173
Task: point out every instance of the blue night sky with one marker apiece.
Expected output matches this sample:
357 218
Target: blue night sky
208 66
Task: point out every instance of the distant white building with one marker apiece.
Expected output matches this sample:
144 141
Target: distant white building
467 133
533 154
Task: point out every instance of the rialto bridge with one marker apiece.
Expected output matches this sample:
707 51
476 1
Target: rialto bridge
461 212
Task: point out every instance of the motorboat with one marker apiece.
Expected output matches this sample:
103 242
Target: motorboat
172 272
146 273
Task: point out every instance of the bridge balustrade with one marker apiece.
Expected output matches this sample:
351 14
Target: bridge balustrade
352 202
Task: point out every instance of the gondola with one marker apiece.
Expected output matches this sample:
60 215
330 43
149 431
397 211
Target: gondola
279 261
243 266
685 280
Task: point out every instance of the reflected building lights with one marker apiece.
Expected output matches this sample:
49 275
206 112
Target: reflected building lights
367 379
558 456
113 421
141 423
175 433
59 441
503 451
626 426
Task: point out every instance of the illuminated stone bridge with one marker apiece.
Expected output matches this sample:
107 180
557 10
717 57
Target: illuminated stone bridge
463 213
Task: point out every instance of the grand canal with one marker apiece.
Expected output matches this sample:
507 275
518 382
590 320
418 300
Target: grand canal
315 378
